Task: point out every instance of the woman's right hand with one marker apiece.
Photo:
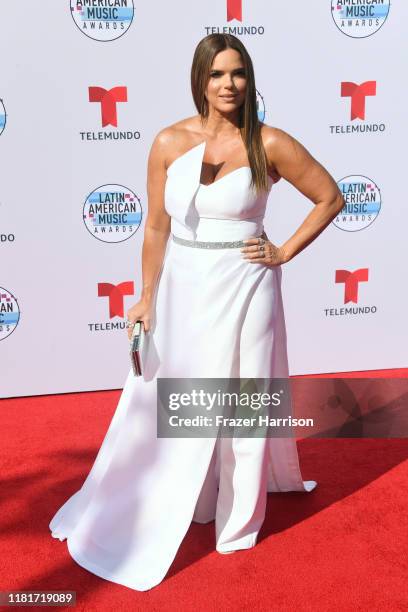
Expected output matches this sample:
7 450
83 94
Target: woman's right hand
142 311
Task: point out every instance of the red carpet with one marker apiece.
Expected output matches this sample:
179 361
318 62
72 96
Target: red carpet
342 547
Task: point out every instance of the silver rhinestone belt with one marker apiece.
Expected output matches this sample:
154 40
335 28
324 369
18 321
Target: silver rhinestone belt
200 244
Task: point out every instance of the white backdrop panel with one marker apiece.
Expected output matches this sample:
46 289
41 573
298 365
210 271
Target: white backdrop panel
53 265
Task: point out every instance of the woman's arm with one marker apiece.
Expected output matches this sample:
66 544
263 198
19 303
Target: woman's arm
295 164
157 226
156 231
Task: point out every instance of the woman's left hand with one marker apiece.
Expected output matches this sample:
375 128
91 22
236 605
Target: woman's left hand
262 250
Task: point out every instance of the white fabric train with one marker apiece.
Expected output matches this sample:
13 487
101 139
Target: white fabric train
216 315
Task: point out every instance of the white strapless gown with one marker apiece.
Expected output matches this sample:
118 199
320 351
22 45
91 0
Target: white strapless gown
216 315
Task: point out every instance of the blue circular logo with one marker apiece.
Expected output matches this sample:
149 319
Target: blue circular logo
362 206
359 19
3 116
112 213
104 20
260 106
9 313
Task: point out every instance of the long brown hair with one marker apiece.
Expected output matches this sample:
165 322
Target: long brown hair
249 124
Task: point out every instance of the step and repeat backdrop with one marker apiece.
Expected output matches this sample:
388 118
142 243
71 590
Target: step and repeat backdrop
84 88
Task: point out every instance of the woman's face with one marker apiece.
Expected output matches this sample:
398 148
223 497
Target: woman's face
227 81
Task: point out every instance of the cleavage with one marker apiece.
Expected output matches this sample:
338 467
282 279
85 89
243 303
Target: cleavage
210 173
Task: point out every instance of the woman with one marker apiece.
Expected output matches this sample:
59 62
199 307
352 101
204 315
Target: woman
211 306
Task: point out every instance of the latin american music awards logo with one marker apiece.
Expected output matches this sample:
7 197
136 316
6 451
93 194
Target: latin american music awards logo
115 295
103 20
362 205
112 213
234 12
260 106
108 103
9 313
360 19
352 281
3 116
358 96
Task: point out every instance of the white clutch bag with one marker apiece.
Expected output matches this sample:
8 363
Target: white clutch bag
138 344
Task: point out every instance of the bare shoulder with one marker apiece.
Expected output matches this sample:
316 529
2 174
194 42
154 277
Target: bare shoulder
277 142
174 140
292 161
272 139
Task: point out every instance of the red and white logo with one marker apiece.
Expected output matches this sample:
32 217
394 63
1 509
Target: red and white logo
108 99
116 293
351 282
234 10
357 95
